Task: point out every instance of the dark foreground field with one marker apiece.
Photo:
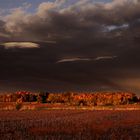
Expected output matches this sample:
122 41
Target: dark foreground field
69 125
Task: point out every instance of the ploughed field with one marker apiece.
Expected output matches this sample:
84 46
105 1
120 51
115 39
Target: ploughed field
70 125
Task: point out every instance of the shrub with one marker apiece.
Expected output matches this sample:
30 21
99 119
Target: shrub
18 105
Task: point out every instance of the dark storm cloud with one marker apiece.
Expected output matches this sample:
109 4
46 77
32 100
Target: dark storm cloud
98 44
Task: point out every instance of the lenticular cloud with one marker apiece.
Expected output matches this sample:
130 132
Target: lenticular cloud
20 45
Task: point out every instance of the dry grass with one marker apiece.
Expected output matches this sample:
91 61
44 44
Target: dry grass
60 106
69 124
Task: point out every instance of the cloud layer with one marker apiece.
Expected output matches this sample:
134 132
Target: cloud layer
102 38
57 20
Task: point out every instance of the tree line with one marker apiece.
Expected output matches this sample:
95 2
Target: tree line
73 98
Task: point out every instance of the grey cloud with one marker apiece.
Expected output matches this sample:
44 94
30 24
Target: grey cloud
3 33
55 21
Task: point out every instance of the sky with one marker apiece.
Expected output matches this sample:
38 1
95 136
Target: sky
70 45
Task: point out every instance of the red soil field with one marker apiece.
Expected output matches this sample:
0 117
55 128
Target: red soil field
70 125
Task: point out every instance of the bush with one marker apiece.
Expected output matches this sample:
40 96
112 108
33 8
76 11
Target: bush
18 106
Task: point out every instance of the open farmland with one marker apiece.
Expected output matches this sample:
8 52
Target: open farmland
70 125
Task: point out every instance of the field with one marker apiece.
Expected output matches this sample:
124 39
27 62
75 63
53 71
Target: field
70 125
11 106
